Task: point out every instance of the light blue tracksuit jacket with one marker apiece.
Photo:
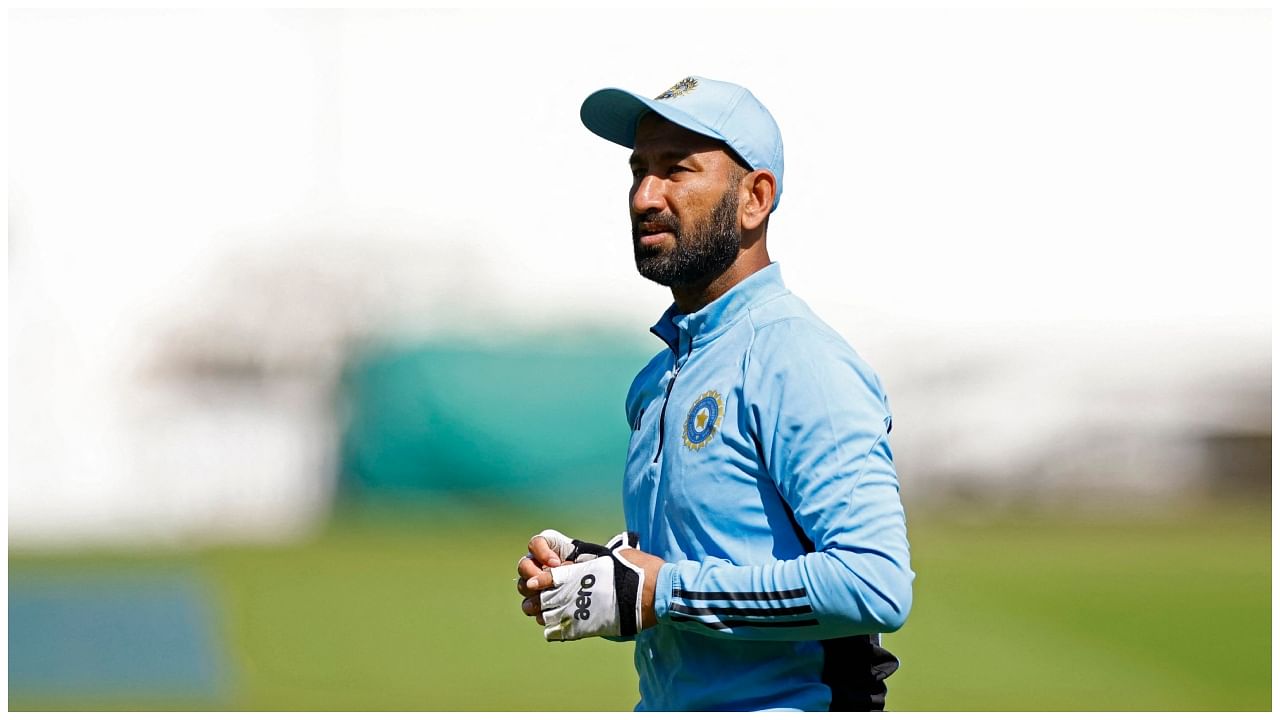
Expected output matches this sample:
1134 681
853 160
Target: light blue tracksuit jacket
759 468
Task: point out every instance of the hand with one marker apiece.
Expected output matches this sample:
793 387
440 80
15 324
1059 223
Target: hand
609 596
552 548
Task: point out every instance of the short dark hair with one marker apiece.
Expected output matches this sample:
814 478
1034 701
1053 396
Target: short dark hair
746 168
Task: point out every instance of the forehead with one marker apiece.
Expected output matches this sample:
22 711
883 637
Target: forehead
657 135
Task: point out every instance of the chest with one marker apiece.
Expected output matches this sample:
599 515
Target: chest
695 484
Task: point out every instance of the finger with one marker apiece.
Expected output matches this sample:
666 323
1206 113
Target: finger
527 570
542 553
531 606
541 581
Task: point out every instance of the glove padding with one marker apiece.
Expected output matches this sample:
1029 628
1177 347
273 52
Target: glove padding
593 597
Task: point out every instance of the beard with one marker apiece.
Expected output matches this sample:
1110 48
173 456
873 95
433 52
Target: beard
702 252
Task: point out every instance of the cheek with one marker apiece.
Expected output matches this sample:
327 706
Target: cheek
700 205
690 200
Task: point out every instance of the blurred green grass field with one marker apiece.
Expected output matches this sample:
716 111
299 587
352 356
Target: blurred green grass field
417 611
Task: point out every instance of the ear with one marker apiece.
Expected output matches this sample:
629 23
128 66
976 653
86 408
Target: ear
756 200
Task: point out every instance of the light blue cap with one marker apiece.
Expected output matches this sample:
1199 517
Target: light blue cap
717 109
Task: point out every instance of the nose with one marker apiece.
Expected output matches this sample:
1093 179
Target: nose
648 194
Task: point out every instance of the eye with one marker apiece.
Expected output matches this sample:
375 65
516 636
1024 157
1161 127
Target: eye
676 169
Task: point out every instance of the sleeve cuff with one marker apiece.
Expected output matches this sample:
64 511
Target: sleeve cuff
662 592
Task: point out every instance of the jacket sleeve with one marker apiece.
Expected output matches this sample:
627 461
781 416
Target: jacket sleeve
821 424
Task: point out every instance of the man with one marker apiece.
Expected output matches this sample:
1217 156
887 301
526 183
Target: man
766 544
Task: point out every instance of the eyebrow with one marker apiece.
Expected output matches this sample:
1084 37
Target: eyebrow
669 154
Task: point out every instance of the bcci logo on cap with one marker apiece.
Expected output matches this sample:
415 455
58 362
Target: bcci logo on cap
683 87
703 420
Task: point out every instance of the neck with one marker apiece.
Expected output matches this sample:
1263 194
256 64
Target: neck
692 298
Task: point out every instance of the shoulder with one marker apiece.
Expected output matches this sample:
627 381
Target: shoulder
790 340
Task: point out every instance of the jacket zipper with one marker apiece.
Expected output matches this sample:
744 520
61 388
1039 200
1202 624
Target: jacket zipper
662 418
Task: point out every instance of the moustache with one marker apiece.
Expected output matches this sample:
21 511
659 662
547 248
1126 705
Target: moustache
654 221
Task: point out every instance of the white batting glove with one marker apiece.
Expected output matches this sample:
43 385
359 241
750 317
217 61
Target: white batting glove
567 548
596 597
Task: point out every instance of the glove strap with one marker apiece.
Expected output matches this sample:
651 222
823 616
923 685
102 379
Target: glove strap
581 547
626 581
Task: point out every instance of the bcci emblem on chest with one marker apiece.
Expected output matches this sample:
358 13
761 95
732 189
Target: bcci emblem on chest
703 420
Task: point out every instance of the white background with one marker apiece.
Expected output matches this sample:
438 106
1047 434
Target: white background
1058 205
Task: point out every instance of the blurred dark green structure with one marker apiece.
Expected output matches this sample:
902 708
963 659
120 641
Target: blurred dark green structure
522 422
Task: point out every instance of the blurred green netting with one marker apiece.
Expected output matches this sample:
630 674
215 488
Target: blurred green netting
534 419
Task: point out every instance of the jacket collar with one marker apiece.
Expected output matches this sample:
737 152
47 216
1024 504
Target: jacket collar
682 332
